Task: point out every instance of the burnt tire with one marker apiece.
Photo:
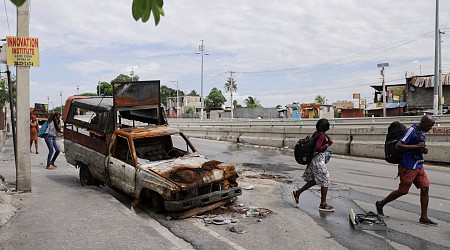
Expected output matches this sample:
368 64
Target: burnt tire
86 178
157 203
154 199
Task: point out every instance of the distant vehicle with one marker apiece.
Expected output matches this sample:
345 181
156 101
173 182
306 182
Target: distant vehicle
124 141
40 110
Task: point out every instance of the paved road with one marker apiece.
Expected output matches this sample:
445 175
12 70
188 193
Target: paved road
59 214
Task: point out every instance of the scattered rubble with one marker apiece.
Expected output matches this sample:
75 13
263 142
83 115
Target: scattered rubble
234 214
275 177
7 210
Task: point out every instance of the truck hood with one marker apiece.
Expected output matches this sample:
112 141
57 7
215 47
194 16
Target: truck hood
191 171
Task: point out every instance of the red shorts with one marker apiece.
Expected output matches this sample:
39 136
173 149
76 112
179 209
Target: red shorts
409 176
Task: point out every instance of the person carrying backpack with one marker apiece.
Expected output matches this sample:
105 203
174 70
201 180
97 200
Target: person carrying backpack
51 140
410 168
316 172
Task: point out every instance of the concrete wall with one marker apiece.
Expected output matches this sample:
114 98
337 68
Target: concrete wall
364 142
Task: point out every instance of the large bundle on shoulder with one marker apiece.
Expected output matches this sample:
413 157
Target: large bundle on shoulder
304 150
395 132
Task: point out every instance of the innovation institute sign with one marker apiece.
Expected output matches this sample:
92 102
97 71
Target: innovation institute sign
22 51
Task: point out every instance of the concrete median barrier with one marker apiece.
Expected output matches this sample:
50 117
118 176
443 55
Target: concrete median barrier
363 142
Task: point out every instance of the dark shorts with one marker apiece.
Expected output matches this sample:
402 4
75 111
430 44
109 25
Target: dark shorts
408 176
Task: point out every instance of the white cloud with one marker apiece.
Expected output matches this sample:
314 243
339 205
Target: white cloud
281 51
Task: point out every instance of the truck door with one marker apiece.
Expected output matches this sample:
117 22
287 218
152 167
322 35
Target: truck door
122 172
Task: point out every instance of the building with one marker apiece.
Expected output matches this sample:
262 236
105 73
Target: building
420 94
396 101
309 110
187 105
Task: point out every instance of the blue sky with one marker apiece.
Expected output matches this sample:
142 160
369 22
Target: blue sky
282 51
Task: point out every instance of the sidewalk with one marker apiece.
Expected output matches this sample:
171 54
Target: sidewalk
61 214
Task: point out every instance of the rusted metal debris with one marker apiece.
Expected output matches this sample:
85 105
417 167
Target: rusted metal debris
275 177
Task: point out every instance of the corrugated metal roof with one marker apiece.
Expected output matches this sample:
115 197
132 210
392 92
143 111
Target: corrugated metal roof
390 105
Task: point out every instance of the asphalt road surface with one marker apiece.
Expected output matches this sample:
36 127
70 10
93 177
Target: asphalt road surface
266 217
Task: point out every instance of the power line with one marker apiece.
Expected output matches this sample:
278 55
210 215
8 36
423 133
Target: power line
343 61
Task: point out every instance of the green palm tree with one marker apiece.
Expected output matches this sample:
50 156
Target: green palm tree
320 99
231 86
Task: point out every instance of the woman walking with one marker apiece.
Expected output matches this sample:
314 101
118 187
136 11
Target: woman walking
316 172
53 128
34 129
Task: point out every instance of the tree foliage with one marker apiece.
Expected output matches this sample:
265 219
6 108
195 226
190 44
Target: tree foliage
166 92
252 102
193 93
4 93
215 99
125 78
230 85
236 104
320 99
140 9
104 89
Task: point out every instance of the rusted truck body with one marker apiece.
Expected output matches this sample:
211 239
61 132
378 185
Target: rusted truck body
40 110
124 141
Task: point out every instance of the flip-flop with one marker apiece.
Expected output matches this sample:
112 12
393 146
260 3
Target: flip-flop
296 198
428 222
327 208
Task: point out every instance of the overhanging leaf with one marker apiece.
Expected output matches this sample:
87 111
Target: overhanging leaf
156 11
136 9
18 3
147 10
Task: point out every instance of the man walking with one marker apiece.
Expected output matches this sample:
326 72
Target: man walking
410 168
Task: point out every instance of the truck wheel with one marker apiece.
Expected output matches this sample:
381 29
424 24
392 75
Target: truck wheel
157 203
86 177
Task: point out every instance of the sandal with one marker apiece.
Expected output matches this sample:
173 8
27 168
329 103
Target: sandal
50 167
326 208
295 196
428 222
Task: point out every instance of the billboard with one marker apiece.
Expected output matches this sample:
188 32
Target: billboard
22 51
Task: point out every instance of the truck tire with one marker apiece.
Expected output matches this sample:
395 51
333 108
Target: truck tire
155 199
86 177
157 203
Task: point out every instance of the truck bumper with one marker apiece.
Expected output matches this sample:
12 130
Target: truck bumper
203 200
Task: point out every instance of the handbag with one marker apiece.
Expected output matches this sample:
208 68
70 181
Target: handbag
43 130
327 154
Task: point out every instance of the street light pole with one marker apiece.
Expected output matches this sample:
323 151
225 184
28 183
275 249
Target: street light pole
60 95
436 63
201 48
382 65
177 107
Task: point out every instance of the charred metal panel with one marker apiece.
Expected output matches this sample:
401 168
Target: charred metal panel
78 154
131 94
149 180
203 200
94 144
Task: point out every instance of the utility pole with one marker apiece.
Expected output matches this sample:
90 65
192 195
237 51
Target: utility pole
382 65
441 94
436 63
177 105
23 163
60 95
201 49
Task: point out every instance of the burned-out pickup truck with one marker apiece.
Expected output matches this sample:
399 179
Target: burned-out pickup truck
124 141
